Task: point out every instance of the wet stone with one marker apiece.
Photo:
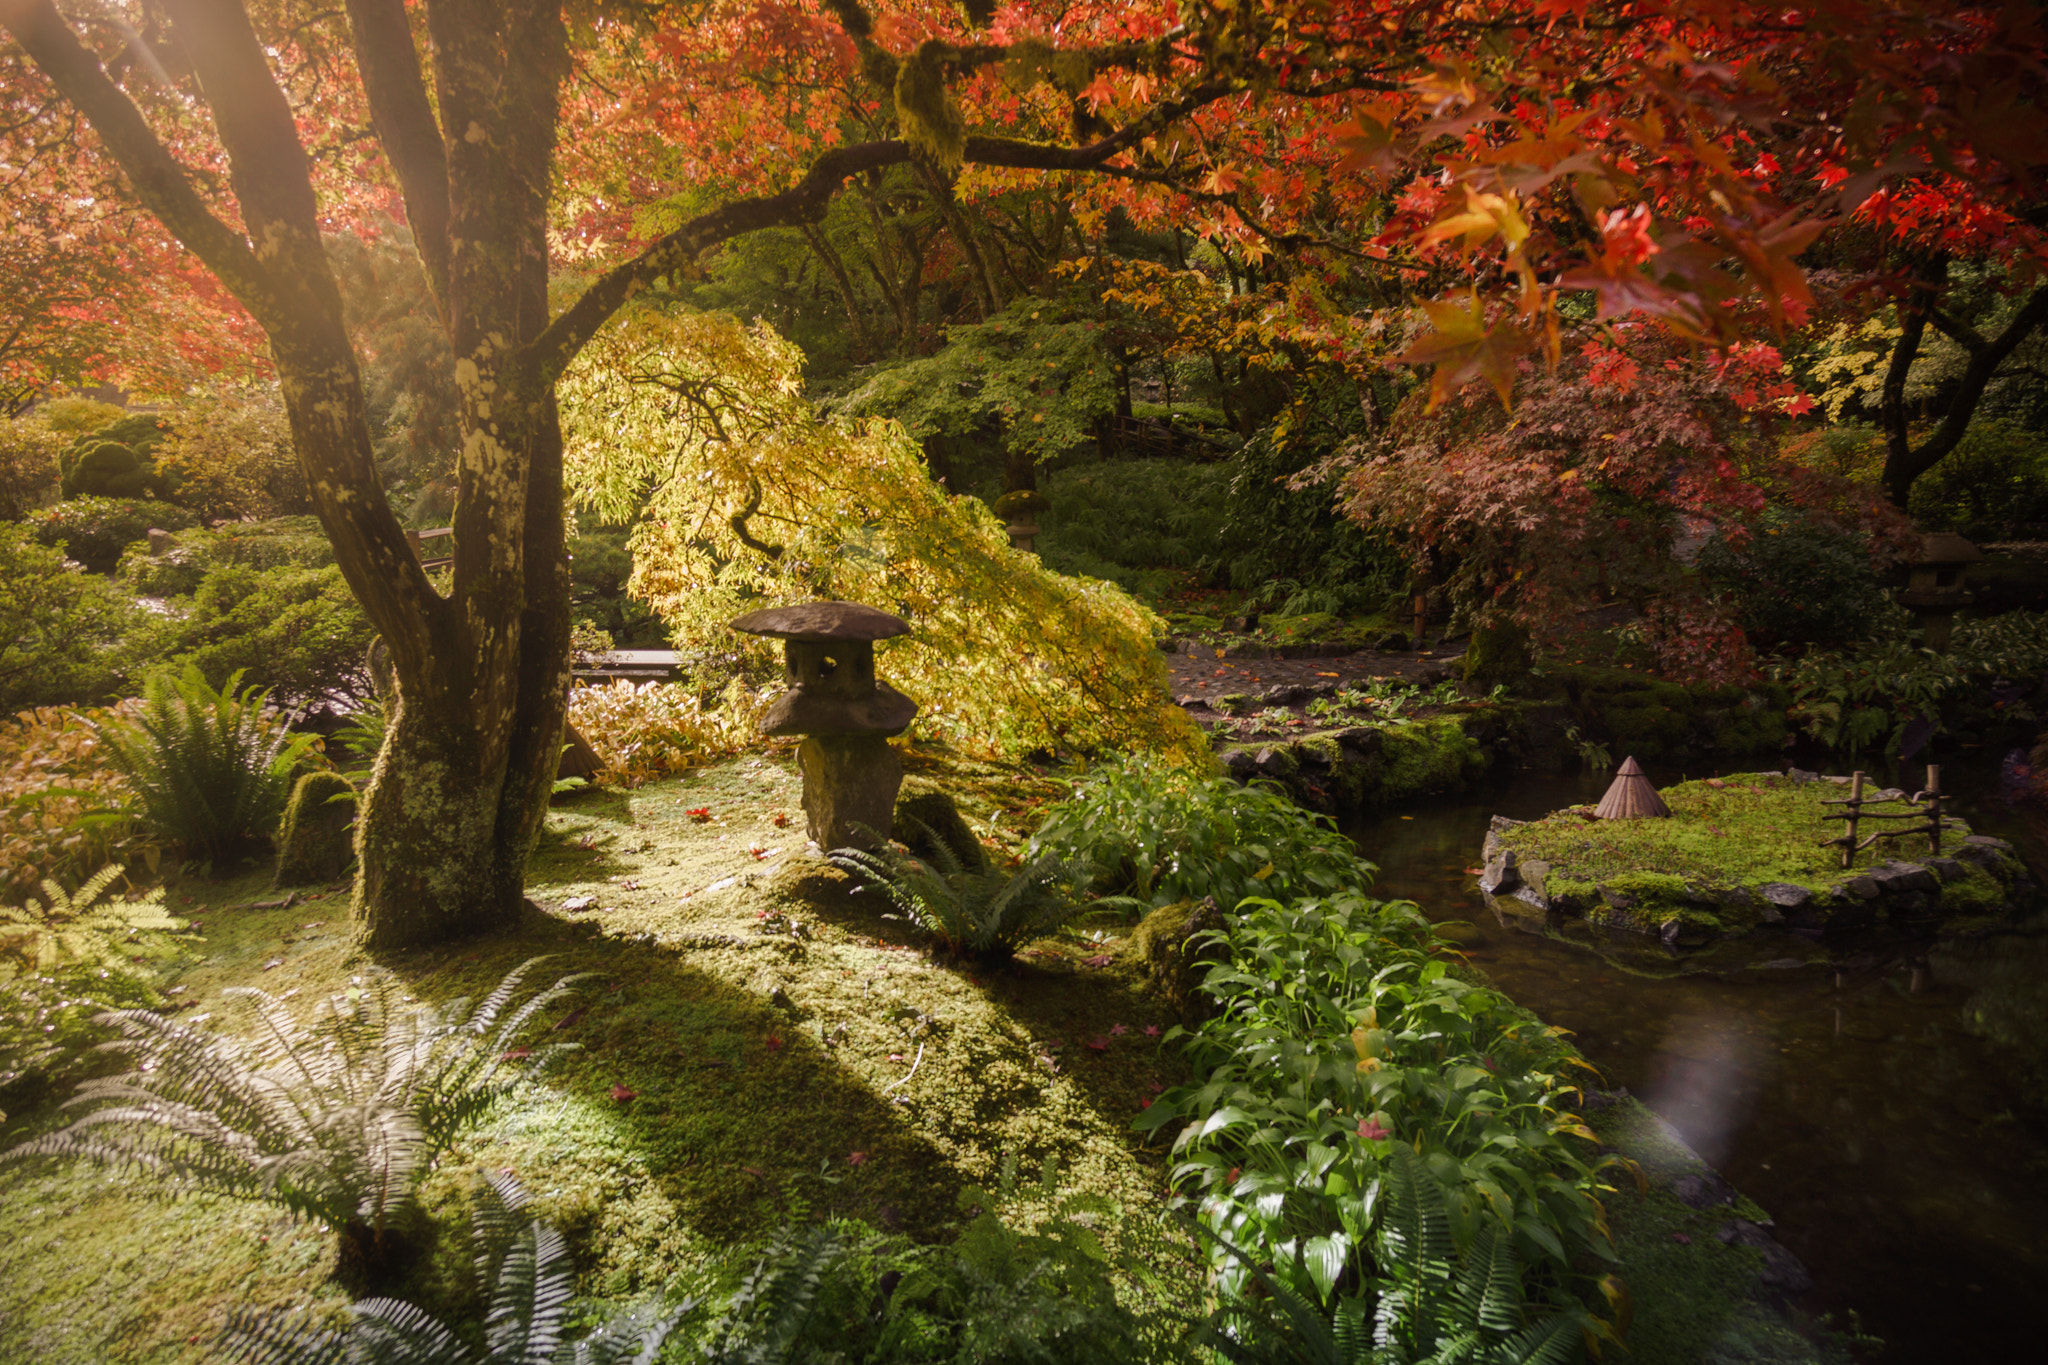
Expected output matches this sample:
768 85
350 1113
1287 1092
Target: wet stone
1946 869
1500 875
1240 764
1863 888
1785 895
1361 739
1703 1190
1901 878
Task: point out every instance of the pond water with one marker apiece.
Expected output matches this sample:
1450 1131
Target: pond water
1892 1147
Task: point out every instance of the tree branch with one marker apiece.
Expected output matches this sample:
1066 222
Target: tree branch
805 202
160 181
404 119
1903 464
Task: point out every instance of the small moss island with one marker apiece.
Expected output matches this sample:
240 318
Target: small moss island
1743 853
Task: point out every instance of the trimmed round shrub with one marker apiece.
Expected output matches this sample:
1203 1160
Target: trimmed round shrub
94 531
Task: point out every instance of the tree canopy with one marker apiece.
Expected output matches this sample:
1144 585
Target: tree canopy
1509 168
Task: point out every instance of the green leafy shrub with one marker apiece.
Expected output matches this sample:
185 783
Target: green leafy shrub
205 770
1155 834
1429 1302
57 626
986 915
279 543
1990 487
1339 1039
1795 581
298 633
1858 699
1276 532
336 1120
29 451
528 1278
95 530
1136 523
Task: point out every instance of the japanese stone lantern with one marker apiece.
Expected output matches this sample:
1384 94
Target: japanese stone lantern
1934 584
1017 508
851 775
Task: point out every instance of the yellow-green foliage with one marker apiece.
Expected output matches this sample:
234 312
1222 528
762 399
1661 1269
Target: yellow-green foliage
83 929
755 502
647 730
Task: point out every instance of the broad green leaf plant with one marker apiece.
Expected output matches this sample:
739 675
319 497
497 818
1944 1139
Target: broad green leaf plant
1151 834
1341 1037
698 426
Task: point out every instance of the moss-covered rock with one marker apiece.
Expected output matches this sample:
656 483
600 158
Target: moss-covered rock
1499 656
1168 945
317 839
1659 721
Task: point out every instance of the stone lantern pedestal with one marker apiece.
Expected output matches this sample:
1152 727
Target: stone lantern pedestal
851 775
1934 585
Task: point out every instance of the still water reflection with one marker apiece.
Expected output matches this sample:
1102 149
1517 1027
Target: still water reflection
1892 1147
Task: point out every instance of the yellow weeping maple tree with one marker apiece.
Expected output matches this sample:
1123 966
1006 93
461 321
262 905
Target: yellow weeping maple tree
697 424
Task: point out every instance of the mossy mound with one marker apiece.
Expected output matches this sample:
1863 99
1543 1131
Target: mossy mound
1364 767
1658 721
316 839
1738 853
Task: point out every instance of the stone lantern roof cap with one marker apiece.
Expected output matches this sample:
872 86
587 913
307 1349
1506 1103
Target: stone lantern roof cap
823 622
1946 547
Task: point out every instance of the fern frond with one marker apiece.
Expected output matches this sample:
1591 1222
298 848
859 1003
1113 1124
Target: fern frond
336 1120
268 1339
1555 1340
774 1302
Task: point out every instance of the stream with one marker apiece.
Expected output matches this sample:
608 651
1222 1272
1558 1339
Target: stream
1892 1147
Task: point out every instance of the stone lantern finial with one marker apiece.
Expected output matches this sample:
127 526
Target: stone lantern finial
851 775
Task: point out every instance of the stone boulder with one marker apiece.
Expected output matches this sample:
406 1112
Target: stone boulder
1169 944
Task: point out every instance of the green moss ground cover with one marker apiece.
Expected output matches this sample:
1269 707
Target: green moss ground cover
1739 831
757 1047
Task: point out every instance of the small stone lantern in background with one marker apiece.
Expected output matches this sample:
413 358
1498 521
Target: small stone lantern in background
1017 508
851 775
1934 585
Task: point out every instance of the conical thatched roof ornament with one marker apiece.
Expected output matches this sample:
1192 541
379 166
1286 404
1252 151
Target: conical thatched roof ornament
1631 797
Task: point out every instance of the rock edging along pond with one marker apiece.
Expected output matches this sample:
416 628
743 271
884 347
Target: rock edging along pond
1739 854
